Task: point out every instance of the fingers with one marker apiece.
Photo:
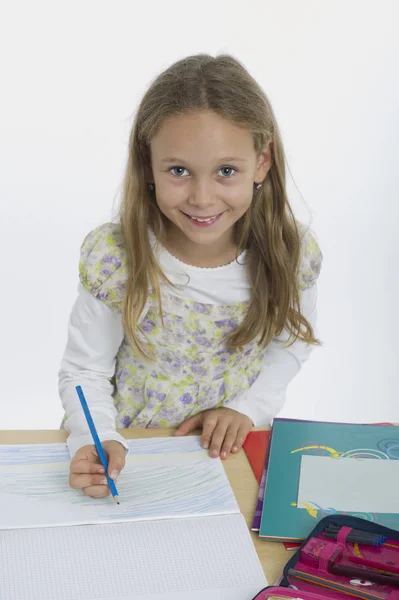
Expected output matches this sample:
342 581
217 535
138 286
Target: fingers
218 438
87 453
97 491
224 431
240 439
84 474
208 432
230 438
80 481
84 466
116 456
88 475
115 466
190 425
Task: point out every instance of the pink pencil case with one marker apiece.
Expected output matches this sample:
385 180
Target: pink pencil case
283 593
343 558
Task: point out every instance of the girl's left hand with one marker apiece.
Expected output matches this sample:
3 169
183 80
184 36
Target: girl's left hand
223 430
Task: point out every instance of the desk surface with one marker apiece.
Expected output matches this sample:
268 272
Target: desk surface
272 555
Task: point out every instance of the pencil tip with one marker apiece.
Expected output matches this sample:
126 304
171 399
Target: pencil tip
116 499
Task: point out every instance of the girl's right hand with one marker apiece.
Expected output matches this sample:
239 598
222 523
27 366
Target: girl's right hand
87 472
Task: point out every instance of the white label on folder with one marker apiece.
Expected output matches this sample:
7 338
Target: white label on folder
349 484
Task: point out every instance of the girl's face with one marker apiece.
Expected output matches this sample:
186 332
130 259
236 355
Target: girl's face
204 169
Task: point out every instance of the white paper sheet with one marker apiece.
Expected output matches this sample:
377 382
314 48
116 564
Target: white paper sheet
163 478
349 484
177 559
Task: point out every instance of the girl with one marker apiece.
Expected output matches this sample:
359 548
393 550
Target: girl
198 308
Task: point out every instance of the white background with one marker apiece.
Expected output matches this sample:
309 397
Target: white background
72 74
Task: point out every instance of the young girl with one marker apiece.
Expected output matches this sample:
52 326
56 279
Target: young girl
198 308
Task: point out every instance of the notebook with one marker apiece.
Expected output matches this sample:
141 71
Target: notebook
178 532
255 445
316 469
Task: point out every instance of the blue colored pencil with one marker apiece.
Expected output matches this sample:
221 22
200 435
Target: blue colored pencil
97 443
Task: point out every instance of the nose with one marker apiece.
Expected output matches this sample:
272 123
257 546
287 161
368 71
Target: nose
201 194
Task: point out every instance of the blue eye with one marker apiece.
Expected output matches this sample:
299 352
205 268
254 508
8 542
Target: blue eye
176 174
230 173
226 172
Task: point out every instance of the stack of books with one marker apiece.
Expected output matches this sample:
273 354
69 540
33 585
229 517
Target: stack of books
313 469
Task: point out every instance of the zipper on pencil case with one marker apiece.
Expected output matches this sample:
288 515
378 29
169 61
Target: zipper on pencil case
280 593
347 590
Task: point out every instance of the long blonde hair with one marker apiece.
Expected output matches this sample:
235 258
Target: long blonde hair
268 230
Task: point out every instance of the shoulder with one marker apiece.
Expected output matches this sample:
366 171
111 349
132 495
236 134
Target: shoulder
102 265
311 258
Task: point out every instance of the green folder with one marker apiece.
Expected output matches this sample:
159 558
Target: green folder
286 516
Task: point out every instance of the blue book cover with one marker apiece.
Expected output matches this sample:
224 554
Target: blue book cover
317 469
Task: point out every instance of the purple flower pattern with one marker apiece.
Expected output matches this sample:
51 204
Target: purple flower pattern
193 369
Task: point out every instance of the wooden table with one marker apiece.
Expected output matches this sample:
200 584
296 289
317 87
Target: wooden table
272 555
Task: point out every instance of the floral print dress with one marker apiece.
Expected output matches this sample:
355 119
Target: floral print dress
193 370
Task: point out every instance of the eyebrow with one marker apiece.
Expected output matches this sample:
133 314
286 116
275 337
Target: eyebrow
224 159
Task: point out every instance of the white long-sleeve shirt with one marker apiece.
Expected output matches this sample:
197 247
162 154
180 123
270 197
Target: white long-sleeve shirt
95 334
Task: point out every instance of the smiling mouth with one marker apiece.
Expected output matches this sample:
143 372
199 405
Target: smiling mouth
203 220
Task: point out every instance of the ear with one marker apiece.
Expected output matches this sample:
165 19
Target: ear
264 163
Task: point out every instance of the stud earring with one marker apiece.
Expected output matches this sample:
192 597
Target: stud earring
151 187
257 185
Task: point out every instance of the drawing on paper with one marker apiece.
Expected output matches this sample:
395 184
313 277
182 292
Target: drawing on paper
163 478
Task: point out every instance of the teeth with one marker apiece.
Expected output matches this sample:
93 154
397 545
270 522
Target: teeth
203 220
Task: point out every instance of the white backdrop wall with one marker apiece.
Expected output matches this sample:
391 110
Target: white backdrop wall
72 74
